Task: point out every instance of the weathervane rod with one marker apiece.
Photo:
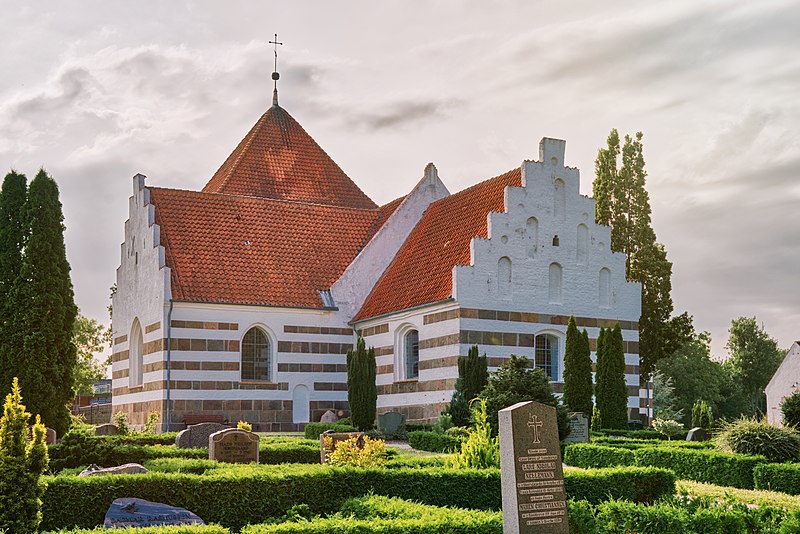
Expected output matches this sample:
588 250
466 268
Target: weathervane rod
275 75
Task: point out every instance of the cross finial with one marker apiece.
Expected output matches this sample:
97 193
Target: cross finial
275 75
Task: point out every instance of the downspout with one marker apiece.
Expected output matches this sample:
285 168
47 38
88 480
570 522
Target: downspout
169 364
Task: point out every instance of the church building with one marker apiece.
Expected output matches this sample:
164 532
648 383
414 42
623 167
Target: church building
241 300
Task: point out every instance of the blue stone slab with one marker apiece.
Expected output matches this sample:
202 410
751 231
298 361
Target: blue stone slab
133 512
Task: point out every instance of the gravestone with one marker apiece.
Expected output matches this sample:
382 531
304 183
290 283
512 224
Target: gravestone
328 417
50 436
698 434
531 474
132 512
578 428
108 429
336 437
390 423
233 446
127 469
197 435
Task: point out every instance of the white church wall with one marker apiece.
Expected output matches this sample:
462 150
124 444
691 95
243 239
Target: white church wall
784 382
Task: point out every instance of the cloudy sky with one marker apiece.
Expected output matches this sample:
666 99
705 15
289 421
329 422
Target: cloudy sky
98 91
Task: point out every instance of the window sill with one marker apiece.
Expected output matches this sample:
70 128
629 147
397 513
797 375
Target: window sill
406 380
135 389
258 383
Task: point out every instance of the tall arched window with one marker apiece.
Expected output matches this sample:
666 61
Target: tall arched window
583 244
135 355
256 356
604 288
504 277
554 294
411 347
546 354
559 199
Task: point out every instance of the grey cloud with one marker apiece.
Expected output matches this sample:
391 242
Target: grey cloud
404 114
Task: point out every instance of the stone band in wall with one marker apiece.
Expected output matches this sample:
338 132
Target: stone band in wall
374 330
202 385
525 317
511 339
152 327
441 341
415 386
120 339
204 325
330 386
324 330
312 368
313 347
441 316
180 365
119 356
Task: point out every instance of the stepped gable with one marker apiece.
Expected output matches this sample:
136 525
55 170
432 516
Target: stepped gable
277 159
421 272
249 250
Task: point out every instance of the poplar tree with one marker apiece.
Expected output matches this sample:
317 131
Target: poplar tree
612 392
13 230
623 204
474 373
40 329
577 371
362 392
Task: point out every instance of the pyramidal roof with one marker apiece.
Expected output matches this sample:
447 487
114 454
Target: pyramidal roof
277 159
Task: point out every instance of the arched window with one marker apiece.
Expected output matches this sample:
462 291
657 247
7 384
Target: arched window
504 277
256 356
532 234
546 354
559 199
411 349
554 293
604 288
583 244
135 355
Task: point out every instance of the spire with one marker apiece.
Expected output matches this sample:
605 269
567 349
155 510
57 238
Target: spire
275 75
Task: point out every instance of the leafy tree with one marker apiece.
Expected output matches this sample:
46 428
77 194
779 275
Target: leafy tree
577 371
41 327
458 410
623 204
13 231
90 338
23 459
754 358
791 410
596 424
701 415
516 381
664 395
668 427
473 372
362 392
612 392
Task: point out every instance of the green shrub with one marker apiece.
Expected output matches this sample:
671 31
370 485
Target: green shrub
121 420
778 477
752 436
636 434
790 407
433 441
723 469
592 456
362 393
479 449
313 430
667 427
288 451
415 427
371 452
637 484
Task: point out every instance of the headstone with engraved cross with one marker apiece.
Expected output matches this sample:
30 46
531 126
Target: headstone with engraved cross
531 475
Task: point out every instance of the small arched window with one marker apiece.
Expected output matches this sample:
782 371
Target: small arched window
583 244
559 199
136 355
504 277
256 356
554 293
604 288
546 354
411 348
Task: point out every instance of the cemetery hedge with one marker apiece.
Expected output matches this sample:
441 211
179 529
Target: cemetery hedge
252 494
313 430
175 529
637 434
593 456
633 443
778 477
433 441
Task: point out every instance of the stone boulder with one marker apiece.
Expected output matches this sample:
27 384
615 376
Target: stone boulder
132 512
127 469
197 435
108 429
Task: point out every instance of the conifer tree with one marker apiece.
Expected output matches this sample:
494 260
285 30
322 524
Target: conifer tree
612 392
40 341
362 392
13 230
600 373
577 371
473 372
458 409
623 204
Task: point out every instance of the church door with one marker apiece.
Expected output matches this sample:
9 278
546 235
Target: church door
300 408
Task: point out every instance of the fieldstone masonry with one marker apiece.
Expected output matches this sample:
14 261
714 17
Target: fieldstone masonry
233 446
531 474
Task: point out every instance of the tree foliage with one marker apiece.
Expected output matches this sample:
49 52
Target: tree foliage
577 371
473 372
458 410
91 339
790 407
23 460
39 347
701 415
611 392
517 381
362 392
622 202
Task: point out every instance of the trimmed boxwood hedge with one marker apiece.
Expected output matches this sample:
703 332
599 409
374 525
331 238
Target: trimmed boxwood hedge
175 529
433 441
313 430
592 456
629 443
251 494
721 468
778 477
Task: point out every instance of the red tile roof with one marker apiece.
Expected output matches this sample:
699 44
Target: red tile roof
249 250
278 159
421 272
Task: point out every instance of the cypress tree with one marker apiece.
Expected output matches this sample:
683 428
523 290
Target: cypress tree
458 409
577 371
616 410
473 370
13 231
362 392
40 341
600 395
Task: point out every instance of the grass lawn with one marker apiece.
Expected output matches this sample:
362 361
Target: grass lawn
749 497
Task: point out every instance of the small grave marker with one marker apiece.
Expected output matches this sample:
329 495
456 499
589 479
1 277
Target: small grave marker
328 417
126 469
698 434
578 428
132 512
390 423
50 436
108 429
197 435
233 446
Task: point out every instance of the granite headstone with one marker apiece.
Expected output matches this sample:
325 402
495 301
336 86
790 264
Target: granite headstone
698 434
335 438
531 474
390 423
50 436
328 417
133 512
197 435
233 446
578 428
126 469
108 429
